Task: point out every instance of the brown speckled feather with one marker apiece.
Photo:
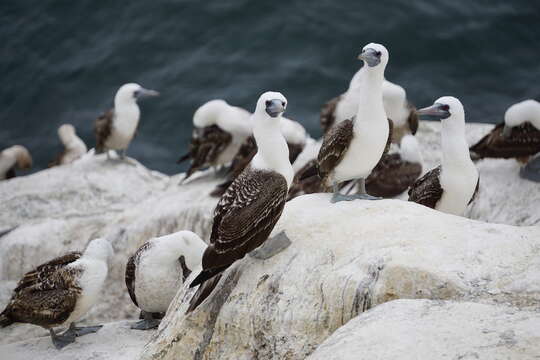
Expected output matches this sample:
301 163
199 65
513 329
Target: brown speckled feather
412 120
328 113
47 295
335 144
427 190
392 176
102 129
523 141
206 145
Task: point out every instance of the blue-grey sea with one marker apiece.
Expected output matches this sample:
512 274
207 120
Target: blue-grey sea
62 61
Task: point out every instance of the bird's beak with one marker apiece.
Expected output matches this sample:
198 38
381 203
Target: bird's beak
434 110
146 93
275 108
370 56
507 131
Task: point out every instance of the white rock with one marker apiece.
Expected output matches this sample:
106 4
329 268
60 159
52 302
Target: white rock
346 258
114 341
424 329
63 208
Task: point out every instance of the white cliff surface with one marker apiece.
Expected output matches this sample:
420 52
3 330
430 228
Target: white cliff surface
424 329
63 208
115 341
344 259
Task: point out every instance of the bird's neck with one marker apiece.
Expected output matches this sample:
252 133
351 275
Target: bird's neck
273 152
455 151
370 101
126 110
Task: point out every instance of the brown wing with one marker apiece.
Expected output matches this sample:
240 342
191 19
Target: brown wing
245 216
40 274
205 147
335 144
240 161
294 151
328 113
412 120
47 295
102 129
131 268
523 141
306 181
427 190
392 176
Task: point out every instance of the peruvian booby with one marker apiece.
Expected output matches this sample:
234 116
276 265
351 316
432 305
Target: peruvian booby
156 271
397 107
219 131
74 147
116 128
60 292
295 135
249 209
14 157
353 147
517 137
453 185
396 172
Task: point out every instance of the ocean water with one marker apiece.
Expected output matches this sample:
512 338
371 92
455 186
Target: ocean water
62 61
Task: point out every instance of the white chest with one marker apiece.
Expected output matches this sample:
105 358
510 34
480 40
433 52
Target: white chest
91 283
458 184
364 152
156 283
123 129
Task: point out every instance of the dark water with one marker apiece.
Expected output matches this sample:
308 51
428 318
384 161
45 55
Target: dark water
62 61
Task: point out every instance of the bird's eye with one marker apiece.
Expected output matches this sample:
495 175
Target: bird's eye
378 53
283 103
268 103
136 93
445 107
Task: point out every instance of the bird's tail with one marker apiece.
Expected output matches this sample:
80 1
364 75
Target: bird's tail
207 274
183 158
310 170
5 320
475 156
203 291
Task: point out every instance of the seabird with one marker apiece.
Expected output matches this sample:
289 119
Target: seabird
13 157
60 292
451 186
156 271
397 107
517 137
74 147
295 135
396 172
219 131
249 209
116 128
353 147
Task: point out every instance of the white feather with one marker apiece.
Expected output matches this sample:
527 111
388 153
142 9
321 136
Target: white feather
525 111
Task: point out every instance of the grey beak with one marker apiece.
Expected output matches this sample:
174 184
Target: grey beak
275 107
434 110
370 56
142 93
507 131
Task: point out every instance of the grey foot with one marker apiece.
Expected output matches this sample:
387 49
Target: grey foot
271 247
531 171
339 197
146 324
83 330
61 341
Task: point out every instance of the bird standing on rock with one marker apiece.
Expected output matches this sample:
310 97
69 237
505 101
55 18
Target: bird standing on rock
352 148
453 185
249 209
116 128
